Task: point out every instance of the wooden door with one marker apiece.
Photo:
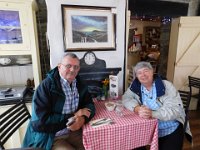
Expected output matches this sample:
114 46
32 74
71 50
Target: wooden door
184 51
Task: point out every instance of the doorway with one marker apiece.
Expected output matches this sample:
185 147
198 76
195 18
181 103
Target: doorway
151 21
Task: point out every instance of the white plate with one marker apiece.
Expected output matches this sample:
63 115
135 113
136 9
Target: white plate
23 62
23 59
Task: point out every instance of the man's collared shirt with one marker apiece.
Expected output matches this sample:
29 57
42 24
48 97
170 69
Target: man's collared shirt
71 100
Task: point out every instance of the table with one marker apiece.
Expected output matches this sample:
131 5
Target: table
128 132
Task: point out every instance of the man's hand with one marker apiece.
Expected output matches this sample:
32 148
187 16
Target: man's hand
79 119
79 122
83 112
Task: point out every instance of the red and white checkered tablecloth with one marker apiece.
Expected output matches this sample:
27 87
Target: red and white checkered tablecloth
127 132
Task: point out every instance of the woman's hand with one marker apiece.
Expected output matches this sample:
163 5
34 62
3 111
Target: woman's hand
143 111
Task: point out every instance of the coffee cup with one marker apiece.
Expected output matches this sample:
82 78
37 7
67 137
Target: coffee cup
110 106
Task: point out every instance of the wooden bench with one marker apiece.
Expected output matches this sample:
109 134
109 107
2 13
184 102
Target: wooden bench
11 120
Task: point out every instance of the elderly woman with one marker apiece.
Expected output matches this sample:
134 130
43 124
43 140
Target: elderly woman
152 97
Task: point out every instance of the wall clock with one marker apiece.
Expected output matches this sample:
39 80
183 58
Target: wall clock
89 58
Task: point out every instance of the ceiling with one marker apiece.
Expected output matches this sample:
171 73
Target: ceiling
169 8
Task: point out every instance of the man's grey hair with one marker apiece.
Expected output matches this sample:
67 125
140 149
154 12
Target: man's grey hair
72 55
142 64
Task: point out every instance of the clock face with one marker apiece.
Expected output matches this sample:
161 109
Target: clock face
90 58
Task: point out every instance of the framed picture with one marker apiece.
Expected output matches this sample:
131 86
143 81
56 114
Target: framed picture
14 31
88 28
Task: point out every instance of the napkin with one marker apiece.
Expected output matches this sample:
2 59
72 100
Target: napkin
101 122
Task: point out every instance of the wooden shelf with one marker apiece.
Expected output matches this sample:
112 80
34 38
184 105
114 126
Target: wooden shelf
152 37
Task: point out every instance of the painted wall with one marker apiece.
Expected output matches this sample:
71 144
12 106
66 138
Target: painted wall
55 33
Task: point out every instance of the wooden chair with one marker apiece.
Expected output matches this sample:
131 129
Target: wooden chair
11 120
194 83
185 97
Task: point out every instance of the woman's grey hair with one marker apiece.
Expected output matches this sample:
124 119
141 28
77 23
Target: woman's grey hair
142 64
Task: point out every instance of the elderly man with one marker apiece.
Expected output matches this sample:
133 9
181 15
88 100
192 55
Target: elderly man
61 95
151 97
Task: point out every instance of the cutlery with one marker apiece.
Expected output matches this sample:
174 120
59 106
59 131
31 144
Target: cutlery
98 121
102 121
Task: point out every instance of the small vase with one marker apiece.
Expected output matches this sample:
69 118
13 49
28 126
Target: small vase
105 91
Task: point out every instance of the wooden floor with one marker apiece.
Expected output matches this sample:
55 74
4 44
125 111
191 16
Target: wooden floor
194 119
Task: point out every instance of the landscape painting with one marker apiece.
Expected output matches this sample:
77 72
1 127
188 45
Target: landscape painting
10 28
88 29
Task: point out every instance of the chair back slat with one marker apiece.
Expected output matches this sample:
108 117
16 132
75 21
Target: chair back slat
185 97
194 82
11 120
194 86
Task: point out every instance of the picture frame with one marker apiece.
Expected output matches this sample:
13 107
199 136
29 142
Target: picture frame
88 28
13 28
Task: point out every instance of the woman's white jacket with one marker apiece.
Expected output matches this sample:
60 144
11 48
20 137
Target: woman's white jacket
167 96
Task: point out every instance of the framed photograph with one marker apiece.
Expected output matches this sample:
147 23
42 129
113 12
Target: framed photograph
88 28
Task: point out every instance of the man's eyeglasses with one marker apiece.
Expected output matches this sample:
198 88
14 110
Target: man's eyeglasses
68 66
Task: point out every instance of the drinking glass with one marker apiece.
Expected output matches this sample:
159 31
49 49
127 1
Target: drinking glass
119 108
